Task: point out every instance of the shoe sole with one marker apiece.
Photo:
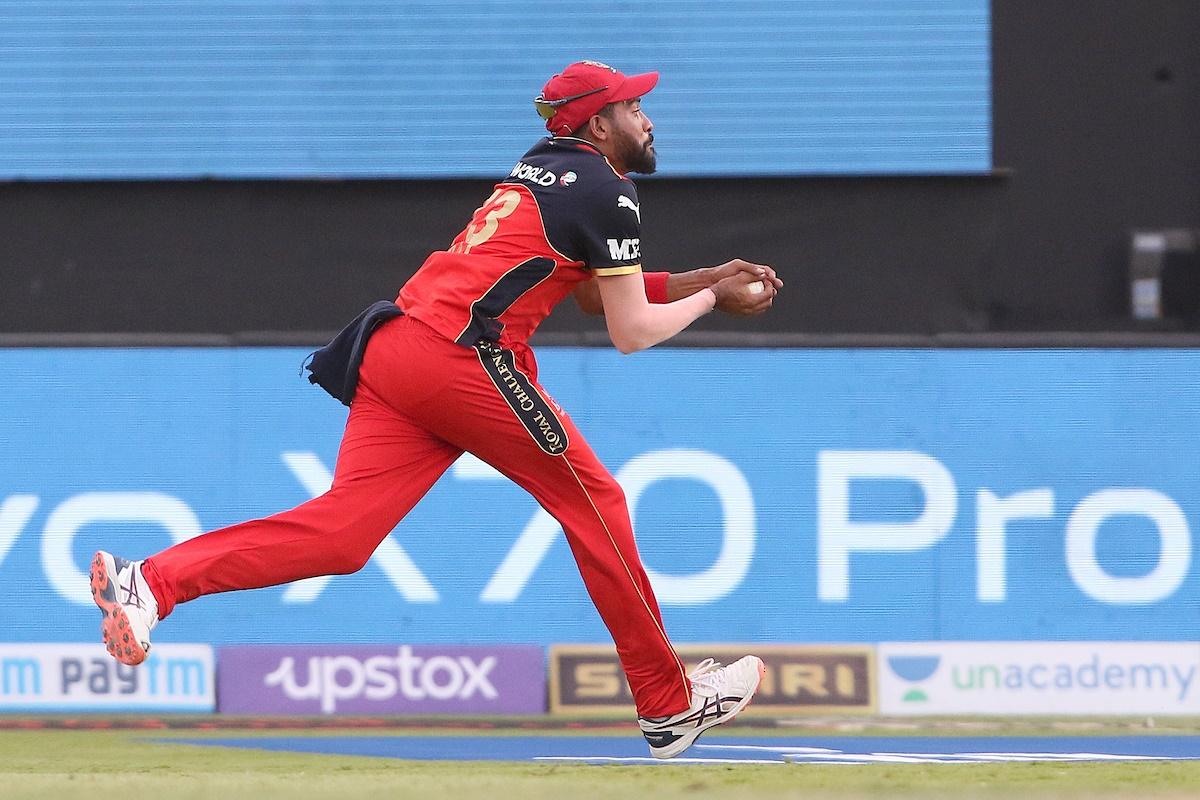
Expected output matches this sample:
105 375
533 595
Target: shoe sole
118 637
675 748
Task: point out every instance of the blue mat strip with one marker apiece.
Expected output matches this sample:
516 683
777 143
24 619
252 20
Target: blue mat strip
781 750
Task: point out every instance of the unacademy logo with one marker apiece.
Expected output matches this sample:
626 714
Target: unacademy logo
914 669
334 678
1096 673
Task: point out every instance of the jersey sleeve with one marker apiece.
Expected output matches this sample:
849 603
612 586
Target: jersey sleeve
609 232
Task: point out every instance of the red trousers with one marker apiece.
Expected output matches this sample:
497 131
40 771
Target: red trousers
421 401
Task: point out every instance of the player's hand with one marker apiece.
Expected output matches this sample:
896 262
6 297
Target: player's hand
761 272
735 297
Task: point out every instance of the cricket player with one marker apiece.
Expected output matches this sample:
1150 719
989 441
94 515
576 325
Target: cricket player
447 370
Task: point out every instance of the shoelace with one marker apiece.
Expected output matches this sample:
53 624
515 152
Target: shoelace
139 593
704 667
707 677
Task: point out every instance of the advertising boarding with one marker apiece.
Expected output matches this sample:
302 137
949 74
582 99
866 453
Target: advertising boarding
778 496
1039 678
330 89
374 680
799 679
84 677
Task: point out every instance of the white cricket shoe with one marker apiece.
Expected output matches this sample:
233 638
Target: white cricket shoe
127 604
718 695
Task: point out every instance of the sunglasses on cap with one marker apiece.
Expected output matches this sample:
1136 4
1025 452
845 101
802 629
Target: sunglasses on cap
546 109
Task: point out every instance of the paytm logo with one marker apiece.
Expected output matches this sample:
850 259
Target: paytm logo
20 677
156 677
92 677
82 676
331 679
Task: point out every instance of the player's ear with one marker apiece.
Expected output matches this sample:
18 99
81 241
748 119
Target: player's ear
598 127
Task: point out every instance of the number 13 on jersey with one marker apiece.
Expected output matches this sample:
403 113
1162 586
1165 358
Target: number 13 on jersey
482 227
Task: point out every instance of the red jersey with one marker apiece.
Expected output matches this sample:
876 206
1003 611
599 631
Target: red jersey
562 215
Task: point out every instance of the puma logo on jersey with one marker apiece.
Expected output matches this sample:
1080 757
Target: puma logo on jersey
625 202
625 249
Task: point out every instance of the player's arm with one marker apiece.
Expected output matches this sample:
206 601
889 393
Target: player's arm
667 287
661 287
634 323
609 237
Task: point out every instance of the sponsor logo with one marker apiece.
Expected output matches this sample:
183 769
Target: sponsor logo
636 208
1095 673
914 669
568 178
21 676
1041 677
376 679
625 249
599 64
83 676
524 399
333 678
539 175
800 678
841 533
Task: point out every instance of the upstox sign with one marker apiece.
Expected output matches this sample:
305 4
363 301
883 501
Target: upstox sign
83 677
1039 678
372 679
587 679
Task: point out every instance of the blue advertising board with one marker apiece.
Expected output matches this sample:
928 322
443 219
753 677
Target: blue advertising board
778 495
351 88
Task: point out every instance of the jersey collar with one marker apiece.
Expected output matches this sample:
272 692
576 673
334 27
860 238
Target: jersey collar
583 144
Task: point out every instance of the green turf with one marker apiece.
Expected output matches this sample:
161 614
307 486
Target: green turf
104 764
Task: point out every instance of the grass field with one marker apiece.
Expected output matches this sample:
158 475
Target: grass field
127 763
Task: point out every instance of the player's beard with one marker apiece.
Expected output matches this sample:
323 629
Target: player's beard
639 156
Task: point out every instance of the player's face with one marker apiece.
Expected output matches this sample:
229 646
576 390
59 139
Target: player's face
633 141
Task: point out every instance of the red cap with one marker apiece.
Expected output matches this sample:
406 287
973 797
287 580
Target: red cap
576 94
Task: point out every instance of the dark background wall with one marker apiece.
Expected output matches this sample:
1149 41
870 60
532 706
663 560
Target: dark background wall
1097 132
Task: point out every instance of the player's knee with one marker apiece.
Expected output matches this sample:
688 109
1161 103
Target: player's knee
611 494
348 560
352 555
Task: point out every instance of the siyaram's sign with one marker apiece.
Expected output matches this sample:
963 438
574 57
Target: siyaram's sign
587 679
381 679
